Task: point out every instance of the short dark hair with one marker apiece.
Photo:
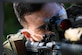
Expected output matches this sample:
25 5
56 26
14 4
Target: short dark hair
26 8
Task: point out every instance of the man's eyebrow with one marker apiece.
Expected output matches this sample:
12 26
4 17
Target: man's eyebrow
42 27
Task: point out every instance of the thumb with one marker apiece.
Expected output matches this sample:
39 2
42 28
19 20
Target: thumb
79 34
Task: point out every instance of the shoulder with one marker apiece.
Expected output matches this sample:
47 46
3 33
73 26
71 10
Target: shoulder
9 45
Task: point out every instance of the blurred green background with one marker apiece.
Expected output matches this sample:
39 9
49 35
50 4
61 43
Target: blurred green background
11 24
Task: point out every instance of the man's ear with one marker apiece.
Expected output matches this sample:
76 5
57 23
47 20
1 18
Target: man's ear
24 24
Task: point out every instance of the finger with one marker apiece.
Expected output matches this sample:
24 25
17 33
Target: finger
79 34
37 38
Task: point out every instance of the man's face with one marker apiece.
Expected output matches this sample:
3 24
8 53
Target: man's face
47 11
36 19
